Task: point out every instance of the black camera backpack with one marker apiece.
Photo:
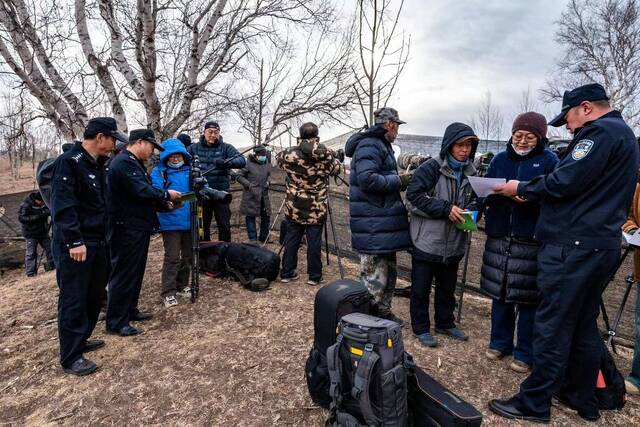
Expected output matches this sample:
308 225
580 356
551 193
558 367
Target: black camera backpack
368 368
332 301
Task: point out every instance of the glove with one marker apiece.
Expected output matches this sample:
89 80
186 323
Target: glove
221 164
405 178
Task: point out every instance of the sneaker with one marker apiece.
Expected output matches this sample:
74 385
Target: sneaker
455 333
293 278
493 354
185 293
520 366
427 340
316 282
631 388
170 301
393 318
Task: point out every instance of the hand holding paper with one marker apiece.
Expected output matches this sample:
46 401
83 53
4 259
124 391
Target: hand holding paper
485 186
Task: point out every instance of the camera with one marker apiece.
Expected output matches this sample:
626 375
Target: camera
201 188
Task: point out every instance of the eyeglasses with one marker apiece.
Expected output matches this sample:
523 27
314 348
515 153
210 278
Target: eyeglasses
529 138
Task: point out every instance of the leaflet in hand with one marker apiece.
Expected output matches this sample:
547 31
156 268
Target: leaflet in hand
187 197
485 186
632 239
469 223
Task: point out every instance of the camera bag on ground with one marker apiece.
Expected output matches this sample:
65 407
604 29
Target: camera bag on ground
332 301
368 370
431 404
610 389
253 266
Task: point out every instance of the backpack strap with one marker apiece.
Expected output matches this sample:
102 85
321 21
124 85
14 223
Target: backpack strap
334 366
361 382
165 179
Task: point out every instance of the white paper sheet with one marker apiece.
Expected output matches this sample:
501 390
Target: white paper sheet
485 186
632 239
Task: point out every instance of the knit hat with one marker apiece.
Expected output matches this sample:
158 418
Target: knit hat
532 122
260 150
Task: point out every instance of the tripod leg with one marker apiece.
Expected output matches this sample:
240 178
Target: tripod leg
335 240
607 324
195 252
464 277
273 224
618 318
326 241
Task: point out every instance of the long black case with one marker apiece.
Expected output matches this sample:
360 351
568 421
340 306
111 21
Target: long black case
431 404
332 301
252 261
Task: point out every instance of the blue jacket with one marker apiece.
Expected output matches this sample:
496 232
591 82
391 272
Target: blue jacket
378 218
586 199
167 178
217 179
503 216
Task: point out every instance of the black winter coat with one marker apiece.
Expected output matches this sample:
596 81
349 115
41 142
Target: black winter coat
33 219
509 270
378 218
217 178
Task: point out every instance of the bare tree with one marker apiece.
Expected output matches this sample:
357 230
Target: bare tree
154 62
489 121
383 54
527 102
311 78
601 41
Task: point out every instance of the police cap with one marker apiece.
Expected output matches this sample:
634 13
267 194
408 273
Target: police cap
104 125
146 135
575 97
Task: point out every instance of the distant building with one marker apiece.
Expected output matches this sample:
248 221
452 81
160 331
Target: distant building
420 144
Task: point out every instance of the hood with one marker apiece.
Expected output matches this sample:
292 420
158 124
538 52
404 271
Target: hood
455 132
174 146
376 131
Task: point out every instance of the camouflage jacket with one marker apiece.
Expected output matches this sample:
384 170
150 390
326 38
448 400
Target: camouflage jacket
308 166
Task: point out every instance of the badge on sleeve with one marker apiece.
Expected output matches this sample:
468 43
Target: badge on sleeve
581 149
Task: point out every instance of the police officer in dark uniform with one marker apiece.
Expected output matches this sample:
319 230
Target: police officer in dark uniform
132 215
584 202
79 212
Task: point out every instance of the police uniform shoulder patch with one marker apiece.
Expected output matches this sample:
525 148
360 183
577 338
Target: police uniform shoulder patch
581 149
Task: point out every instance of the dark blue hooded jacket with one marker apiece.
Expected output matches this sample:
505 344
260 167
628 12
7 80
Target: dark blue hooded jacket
378 218
167 178
217 179
503 216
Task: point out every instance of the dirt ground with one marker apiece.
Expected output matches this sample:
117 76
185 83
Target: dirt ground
235 358
24 182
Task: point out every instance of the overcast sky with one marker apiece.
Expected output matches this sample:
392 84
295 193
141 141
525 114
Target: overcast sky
460 49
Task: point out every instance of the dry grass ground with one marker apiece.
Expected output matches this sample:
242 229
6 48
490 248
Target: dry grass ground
235 358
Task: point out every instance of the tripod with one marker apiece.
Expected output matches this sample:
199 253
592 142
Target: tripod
612 330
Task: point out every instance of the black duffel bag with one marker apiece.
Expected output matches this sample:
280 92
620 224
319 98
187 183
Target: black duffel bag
431 404
253 266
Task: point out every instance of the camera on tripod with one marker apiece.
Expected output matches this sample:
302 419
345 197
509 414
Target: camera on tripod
200 187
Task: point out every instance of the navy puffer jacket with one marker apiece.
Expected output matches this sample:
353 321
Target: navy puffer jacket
217 179
378 218
503 216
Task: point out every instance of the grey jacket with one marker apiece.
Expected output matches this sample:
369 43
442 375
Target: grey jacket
254 177
431 194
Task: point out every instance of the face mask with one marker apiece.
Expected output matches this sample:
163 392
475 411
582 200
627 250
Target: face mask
175 165
261 159
522 152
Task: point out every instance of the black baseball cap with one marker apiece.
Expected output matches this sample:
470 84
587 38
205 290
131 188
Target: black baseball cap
575 97
105 125
145 134
211 124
